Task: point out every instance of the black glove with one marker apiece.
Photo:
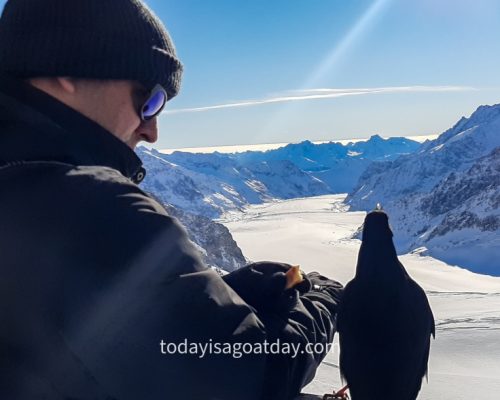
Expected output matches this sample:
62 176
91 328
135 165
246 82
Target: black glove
323 286
262 285
320 282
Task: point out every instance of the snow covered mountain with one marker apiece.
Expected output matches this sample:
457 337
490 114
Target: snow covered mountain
337 165
445 197
214 241
211 184
196 188
313 157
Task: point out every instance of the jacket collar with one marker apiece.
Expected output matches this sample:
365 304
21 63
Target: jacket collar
35 126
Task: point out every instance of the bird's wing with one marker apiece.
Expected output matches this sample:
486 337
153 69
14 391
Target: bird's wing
433 324
422 372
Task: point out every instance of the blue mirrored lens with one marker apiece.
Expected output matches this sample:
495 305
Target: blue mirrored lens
154 105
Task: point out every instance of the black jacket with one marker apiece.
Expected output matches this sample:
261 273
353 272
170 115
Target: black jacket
94 275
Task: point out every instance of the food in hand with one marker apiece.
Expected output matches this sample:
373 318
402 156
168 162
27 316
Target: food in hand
293 277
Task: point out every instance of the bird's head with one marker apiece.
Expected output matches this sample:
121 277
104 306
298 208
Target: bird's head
376 227
377 257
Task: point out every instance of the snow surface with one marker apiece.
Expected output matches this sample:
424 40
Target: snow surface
317 234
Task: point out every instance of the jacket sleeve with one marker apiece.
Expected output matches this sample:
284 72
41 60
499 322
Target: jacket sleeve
166 326
299 317
310 325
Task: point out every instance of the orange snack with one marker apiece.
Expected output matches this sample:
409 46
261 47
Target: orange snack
293 277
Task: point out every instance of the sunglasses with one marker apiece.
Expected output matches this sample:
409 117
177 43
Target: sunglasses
154 103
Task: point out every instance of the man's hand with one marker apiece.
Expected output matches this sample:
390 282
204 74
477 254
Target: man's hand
268 286
322 283
301 315
323 288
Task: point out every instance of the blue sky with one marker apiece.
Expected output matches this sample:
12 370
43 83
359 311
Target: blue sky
287 70
250 51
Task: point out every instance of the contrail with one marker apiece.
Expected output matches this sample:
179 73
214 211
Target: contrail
321 93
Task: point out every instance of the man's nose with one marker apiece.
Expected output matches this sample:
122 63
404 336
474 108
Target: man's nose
148 130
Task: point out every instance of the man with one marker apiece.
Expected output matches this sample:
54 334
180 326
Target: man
98 285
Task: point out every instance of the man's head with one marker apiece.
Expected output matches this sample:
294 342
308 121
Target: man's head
113 51
114 104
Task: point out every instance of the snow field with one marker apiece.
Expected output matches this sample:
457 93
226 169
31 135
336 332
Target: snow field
316 233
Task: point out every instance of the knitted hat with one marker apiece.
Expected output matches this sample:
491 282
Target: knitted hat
96 39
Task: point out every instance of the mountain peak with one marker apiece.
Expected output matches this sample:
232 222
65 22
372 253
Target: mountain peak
303 144
485 113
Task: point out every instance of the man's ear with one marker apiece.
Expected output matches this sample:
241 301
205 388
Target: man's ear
67 84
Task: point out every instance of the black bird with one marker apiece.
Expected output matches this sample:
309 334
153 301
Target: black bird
384 321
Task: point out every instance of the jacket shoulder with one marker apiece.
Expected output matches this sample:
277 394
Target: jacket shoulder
107 184
115 204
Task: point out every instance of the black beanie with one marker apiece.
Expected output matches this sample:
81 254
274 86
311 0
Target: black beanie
96 39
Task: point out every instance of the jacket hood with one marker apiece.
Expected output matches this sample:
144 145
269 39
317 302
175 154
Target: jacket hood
35 126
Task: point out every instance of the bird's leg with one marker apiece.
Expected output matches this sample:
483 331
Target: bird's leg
341 394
